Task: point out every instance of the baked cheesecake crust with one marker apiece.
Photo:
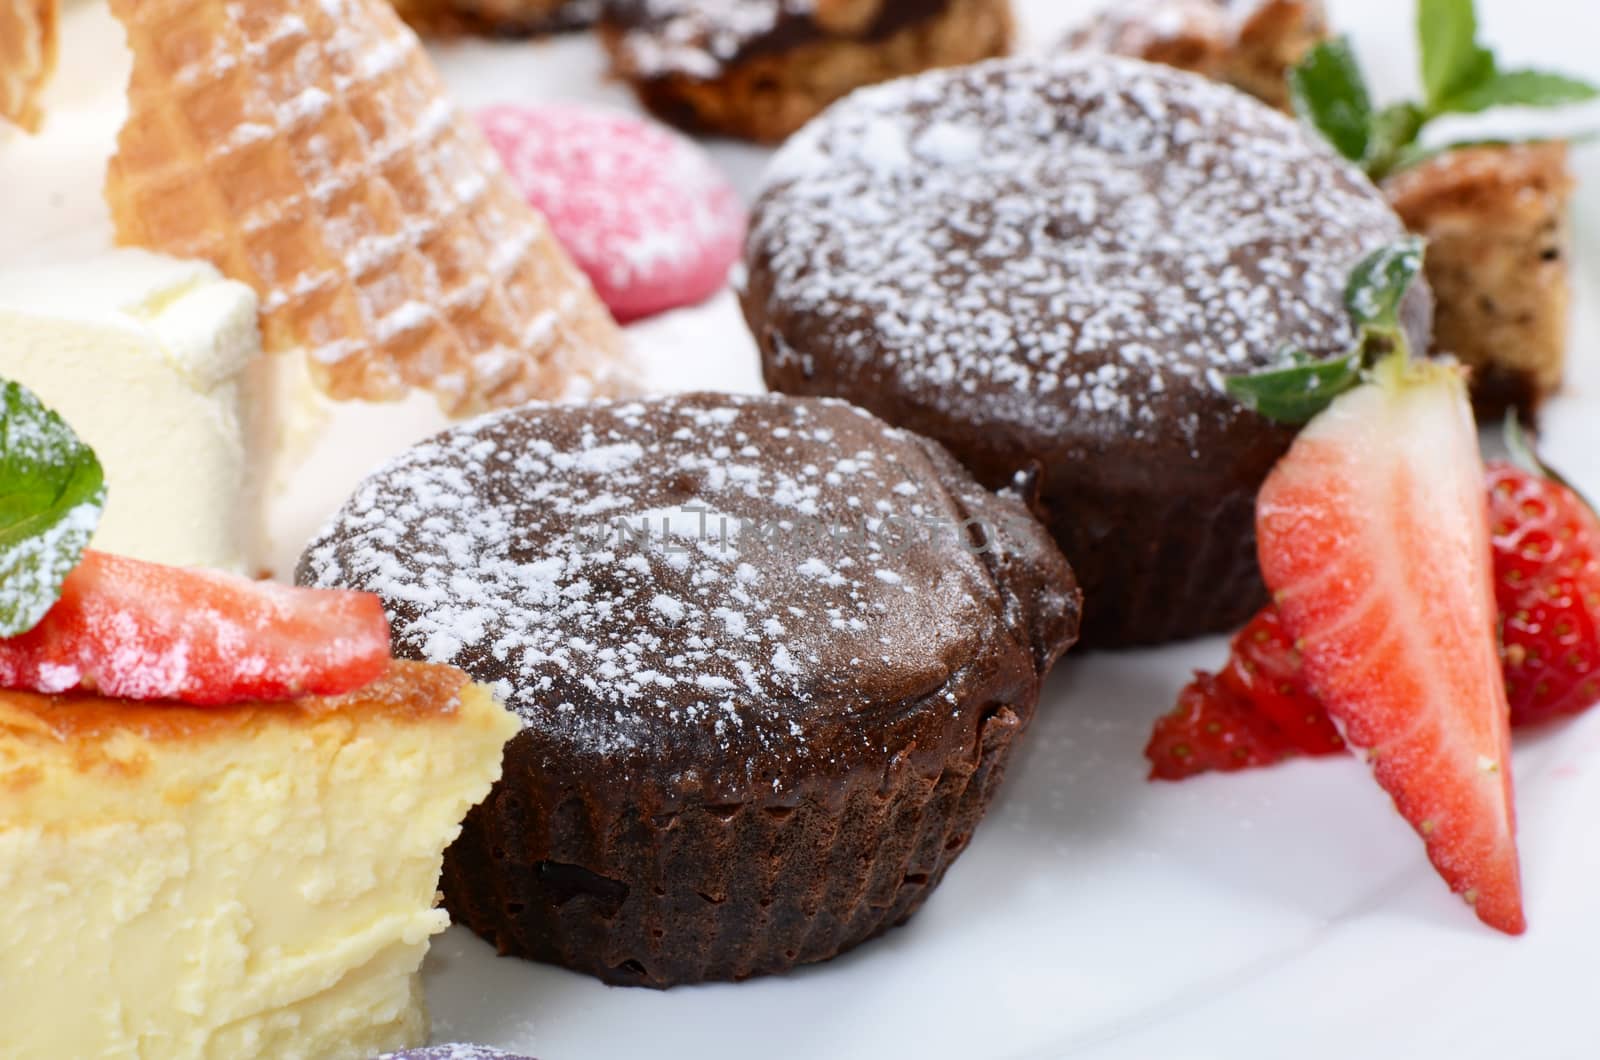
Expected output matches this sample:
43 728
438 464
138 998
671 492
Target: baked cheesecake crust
410 692
217 884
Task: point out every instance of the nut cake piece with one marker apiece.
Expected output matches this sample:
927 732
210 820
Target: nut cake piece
1496 220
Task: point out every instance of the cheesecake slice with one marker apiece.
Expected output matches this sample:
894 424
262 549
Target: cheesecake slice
238 882
148 357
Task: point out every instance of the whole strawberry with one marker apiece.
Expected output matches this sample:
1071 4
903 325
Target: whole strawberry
1547 585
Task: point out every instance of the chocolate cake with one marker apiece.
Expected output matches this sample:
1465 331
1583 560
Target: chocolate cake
1496 216
1052 266
1193 35
760 69
770 656
497 18
453 1052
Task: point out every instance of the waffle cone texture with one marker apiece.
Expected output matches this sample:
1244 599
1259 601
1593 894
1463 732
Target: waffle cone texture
307 148
27 57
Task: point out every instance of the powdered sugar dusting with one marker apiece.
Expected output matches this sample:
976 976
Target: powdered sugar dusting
616 597
698 37
452 1052
1051 242
1134 27
31 569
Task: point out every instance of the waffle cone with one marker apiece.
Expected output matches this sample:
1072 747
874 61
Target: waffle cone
27 57
307 148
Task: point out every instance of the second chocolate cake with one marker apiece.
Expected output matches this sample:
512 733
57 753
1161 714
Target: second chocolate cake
770 656
1053 265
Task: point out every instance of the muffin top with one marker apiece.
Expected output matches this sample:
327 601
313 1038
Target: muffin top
1069 254
707 583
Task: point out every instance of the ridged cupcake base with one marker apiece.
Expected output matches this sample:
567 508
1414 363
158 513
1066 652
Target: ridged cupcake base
716 892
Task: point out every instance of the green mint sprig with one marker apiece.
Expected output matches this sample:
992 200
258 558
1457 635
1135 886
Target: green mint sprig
52 493
1459 76
1303 385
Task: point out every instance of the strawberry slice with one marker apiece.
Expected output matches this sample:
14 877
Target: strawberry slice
134 630
1374 538
1212 729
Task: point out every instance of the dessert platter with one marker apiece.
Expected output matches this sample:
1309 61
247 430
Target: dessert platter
795 528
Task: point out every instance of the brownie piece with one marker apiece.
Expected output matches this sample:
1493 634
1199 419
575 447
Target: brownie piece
1193 35
760 69
1271 37
497 18
1499 243
771 658
1051 266
452 1052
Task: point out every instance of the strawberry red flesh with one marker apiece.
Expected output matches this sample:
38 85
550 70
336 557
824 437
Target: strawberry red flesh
1211 730
1546 542
1374 539
1547 566
1266 671
133 630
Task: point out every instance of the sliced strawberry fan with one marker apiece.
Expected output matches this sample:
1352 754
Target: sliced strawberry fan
1546 543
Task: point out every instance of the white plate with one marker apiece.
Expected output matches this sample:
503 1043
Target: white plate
1287 912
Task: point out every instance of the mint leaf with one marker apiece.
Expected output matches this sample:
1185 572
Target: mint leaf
1453 62
1378 285
1296 392
1330 92
1459 74
1522 88
52 491
1395 129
